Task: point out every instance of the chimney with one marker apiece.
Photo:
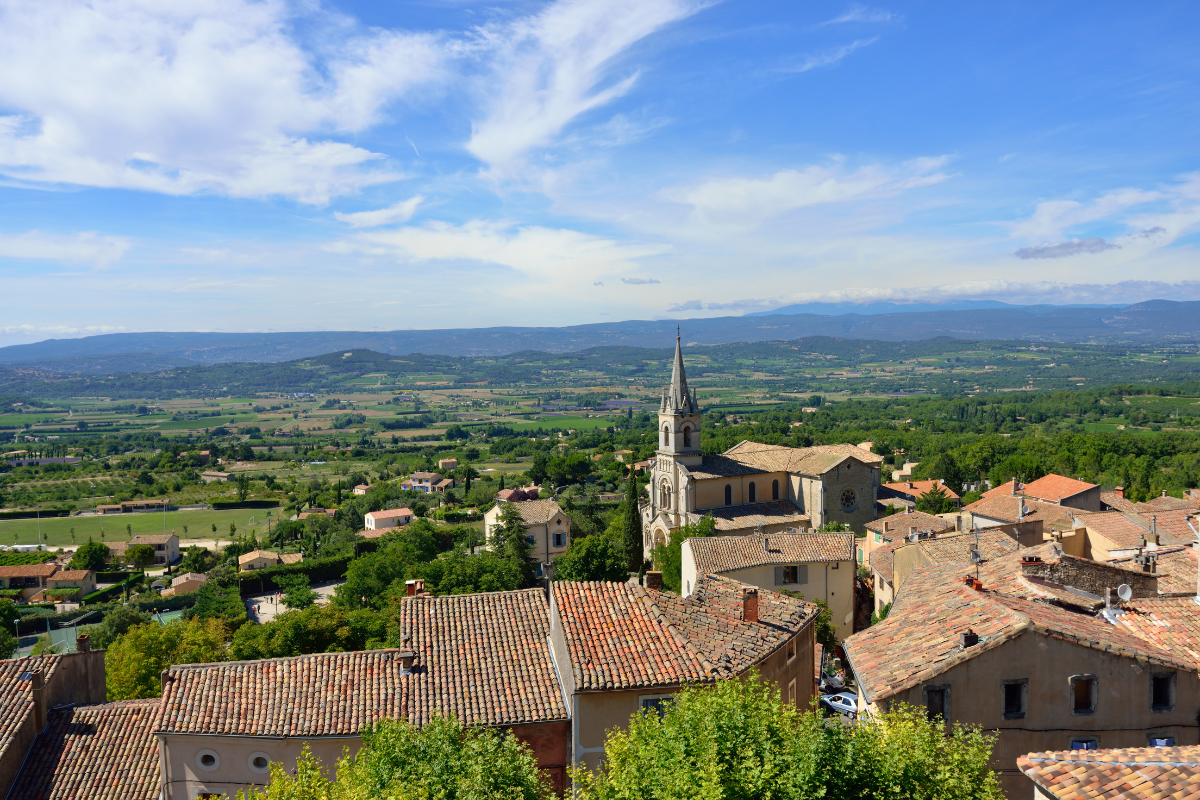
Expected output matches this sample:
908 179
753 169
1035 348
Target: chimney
1164 494
958 523
910 485
414 587
1031 559
887 526
749 604
36 689
654 580
766 544
968 638
977 584
83 643
1154 529
1014 486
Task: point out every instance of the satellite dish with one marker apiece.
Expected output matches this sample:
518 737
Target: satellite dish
1124 592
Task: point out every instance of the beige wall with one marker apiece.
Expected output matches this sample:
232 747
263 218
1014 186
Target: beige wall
260 562
710 492
884 592
1123 716
850 474
185 778
543 534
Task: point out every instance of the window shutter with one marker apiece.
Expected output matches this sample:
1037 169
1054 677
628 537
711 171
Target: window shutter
779 576
802 574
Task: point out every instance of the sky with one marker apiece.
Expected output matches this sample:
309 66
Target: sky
239 165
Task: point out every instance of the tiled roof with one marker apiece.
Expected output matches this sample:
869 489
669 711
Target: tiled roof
29 571
291 558
920 636
482 657
1004 508
153 538
1138 773
1055 487
898 524
426 476
750 515
1115 501
956 548
391 513
1172 623
881 558
750 458
1176 569
722 466
71 575
101 752
537 512
1175 527
189 576
1006 576
253 554
1000 491
624 637
1168 503
15 700
723 553
918 488
1125 531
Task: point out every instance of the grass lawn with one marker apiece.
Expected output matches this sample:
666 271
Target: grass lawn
56 532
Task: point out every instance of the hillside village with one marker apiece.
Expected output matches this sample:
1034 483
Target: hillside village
1055 613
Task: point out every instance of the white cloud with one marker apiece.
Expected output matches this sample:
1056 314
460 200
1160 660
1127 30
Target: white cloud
553 255
82 248
858 13
1051 218
400 212
551 68
826 58
196 95
742 201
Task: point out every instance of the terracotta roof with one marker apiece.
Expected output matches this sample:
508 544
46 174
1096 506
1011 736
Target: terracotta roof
1176 569
1007 576
1117 502
920 636
750 458
624 637
722 466
391 513
537 512
750 515
1138 773
1125 531
153 538
1055 487
899 524
1001 490
956 548
919 488
291 558
1181 525
1172 623
189 576
881 558
101 752
1168 503
29 571
71 575
481 657
723 553
253 554
1004 508
426 476
15 700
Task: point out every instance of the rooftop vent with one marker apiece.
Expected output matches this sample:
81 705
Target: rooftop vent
968 638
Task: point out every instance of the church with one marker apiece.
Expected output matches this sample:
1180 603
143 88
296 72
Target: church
750 487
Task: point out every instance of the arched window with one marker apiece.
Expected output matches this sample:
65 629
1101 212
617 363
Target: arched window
665 436
753 492
728 494
687 436
774 490
664 495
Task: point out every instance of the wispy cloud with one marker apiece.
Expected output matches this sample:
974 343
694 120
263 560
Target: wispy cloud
82 248
825 58
1051 218
858 13
400 212
1072 247
640 281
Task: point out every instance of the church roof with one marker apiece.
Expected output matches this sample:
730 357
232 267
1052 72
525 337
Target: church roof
753 458
677 400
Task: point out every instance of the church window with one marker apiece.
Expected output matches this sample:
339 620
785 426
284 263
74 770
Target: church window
774 490
728 494
753 492
665 436
849 499
687 437
664 496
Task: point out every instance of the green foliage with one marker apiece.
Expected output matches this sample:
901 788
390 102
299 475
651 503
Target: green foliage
8 643
378 576
44 646
316 629
218 600
347 420
935 501
296 591
18 558
195 559
510 540
738 741
668 558
114 624
634 553
592 558
90 555
140 555
134 661
9 615
833 527
441 760
459 572
881 614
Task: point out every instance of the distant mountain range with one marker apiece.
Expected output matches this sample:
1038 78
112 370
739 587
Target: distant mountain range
834 309
1151 321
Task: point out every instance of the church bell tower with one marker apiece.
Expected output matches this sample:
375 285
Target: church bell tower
679 418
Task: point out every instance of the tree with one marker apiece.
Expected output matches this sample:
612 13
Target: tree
129 531
459 572
537 470
316 629
217 600
195 559
115 623
140 555
738 741
946 469
9 615
243 486
668 558
935 501
633 526
296 590
442 759
90 555
592 558
134 661
510 540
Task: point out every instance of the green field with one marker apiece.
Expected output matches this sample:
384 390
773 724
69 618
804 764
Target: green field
56 532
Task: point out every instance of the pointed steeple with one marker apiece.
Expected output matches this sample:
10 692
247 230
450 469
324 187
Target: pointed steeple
679 400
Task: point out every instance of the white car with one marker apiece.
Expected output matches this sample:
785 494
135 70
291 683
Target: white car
842 703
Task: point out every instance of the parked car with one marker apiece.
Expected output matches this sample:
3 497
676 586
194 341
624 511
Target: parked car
842 704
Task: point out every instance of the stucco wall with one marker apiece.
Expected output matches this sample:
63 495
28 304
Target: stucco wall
710 492
835 586
1122 717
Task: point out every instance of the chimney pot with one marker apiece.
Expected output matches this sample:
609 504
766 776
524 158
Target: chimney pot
977 585
83 643
968 638
750 604
35 680
654 580
1164 494
410 588
1119 491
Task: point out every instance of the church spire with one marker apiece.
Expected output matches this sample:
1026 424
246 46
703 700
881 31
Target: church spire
678 400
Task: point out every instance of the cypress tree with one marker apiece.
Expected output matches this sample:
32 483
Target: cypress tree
633 525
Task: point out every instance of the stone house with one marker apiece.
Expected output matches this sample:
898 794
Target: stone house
166 547
30 579
70 585
547 527
185 583
261 559
391 518
816 565
1108 535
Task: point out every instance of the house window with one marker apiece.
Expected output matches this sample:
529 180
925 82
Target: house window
1162 741
774 490
937 702
728 494
792 691
208 760
849 500
687 436
878 537
532 541
664 496
1083 744
860 555
259 762
658 703
1015 693
753 492
1162 691
1083 694
795 573
560 540
791 649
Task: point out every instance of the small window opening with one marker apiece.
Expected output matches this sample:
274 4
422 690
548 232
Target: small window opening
753 492
1160 692
728 494
687 437
1014 699
1083 744
774 490
1162 741
1083 695
935 703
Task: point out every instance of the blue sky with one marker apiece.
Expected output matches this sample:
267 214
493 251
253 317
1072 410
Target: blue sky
236 165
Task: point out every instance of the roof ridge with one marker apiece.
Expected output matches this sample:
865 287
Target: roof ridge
641 595
183 667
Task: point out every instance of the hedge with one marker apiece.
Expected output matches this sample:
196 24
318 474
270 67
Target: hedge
47 513
261 581
114 576
172 603
104 595
219 506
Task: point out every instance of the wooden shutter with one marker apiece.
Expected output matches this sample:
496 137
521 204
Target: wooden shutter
802 573
779 576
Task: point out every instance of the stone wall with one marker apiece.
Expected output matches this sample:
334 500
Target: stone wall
1091 576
